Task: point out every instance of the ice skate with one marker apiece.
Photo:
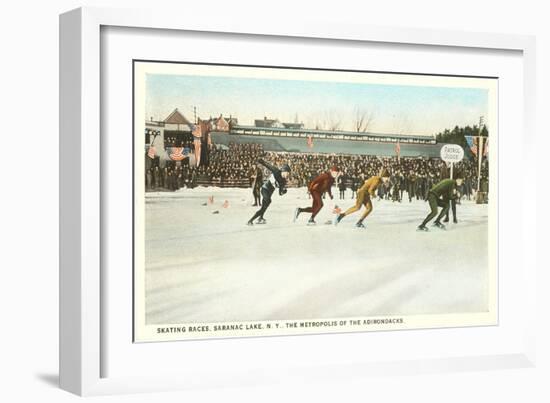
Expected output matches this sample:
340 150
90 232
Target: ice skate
360 225
338 219
296 214
438 225
250 223
311 222
261 221
422 228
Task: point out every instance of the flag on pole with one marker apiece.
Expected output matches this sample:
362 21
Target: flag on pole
472 143
310 141
196 131
398 150
151 152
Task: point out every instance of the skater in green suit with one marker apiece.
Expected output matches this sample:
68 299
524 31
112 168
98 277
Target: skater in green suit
440 195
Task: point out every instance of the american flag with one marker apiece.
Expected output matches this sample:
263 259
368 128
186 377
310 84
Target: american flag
472 143
151 153
310 141
176 154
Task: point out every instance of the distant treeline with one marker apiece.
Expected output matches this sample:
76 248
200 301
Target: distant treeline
456 136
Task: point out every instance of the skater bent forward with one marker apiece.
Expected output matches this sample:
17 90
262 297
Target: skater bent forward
364 195
440 195
317 188
277 179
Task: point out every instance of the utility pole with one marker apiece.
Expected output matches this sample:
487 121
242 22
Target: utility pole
479 151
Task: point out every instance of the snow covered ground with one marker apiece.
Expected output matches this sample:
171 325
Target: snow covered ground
205 267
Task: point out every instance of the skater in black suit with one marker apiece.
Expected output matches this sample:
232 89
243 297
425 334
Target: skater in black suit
277 179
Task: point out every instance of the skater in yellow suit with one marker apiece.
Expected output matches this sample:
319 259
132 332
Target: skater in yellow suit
364 195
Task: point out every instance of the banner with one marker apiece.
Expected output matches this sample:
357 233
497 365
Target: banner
398 151
176 153
196 131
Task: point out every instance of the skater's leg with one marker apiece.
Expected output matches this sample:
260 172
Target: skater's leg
446 219
358 203
367 211
261 211
257 214
266 201
316 200
306 209
432 200
445 209
265 205
453 208
317 204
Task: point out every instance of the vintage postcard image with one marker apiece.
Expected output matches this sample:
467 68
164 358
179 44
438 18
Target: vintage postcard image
282 201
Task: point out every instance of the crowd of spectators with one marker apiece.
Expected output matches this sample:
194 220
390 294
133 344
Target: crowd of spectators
234 163
415 176
235 166
186 142
170 177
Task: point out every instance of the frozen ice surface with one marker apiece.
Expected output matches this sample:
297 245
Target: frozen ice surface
205 267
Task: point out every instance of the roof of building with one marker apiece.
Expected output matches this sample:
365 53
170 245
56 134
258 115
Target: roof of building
293 125
176 118
329 146
241 129
265 122
219 120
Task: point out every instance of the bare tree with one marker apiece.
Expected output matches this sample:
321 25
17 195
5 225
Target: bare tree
401 124
333 120
363 119
319 122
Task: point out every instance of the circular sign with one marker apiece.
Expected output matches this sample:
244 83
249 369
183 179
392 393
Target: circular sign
452 153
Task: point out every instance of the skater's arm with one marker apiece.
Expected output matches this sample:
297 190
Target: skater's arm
315 183
272 168
372 185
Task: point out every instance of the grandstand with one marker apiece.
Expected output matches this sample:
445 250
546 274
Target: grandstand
296 140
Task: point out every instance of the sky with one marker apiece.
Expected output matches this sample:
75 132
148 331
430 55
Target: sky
396 109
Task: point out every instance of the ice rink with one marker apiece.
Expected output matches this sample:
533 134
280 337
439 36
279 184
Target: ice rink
206 267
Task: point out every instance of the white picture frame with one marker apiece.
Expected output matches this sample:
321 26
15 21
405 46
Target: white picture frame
82 344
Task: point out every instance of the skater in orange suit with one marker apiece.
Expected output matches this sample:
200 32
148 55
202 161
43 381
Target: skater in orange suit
364 195
318 186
